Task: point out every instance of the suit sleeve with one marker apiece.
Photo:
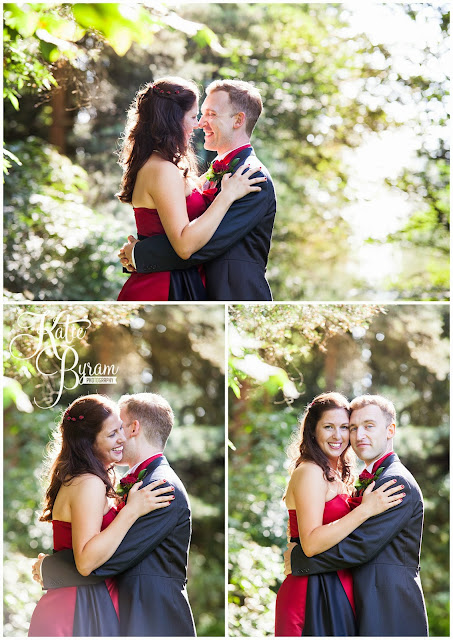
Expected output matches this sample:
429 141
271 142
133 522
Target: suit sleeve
143 537
157 254
59 570
364 543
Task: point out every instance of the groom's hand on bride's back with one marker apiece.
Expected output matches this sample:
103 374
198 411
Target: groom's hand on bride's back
287 558
36 568
125 254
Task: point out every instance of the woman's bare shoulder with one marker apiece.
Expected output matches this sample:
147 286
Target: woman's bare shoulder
85 480
156 165
308 469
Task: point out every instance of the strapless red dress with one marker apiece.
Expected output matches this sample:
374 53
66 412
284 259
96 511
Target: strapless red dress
54 613
156 286
290 611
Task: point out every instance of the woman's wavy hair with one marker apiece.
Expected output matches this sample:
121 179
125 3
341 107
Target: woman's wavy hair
305 446
71 453
155 123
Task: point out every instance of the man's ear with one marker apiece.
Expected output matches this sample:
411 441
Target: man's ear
134 428
239 120
391 429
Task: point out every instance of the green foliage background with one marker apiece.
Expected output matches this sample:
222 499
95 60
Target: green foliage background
280 358
175 351
71 70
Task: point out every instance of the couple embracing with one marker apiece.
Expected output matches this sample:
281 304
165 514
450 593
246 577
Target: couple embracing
353 560
200 237
120 567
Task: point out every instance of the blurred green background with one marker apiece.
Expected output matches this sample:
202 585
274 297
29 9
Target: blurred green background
176 351
281 357
353 133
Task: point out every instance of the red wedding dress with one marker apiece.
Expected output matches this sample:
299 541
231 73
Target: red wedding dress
54 613
291 613
156 285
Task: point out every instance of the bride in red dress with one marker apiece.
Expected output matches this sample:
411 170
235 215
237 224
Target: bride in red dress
84 519
321 513
160 181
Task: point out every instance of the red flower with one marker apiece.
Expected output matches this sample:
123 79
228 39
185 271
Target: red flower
219 165
219 168
130 477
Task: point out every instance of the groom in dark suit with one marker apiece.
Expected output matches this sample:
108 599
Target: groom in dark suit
235 258
150 564
384 551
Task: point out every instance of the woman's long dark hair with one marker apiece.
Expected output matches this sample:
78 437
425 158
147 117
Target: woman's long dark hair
305 447
155 123
77 432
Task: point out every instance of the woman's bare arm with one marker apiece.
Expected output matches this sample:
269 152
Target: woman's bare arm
166 188
91 546
308 487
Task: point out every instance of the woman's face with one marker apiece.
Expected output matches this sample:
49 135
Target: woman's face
332 433
108 445
190 121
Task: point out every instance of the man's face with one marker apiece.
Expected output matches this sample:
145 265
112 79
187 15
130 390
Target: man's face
370 433
217 122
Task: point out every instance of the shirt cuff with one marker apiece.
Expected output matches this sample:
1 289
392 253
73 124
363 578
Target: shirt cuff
133 258
40 569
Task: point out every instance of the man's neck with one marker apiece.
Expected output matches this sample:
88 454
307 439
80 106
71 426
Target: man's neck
234 145
369 465
143 454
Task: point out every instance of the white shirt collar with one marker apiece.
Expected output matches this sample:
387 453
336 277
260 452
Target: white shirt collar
132 469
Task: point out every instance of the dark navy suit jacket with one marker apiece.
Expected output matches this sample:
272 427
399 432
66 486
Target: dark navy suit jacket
384 553
235 258
151 569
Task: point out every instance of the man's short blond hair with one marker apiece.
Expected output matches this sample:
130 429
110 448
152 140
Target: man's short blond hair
154 414
386 406
243 96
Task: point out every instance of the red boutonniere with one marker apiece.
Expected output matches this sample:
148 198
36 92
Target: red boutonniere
367 478
219 168
127 482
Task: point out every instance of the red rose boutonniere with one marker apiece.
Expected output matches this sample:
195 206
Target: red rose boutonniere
366 478
127 482
219 168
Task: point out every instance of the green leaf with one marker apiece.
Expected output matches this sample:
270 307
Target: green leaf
49 51
13 99
235 388
25 21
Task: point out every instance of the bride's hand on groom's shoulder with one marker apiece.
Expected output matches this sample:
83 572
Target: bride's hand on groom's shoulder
36 568
151 497
388 495
242 182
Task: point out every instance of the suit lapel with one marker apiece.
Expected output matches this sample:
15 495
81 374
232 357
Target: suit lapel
243 155
154 464
389 460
